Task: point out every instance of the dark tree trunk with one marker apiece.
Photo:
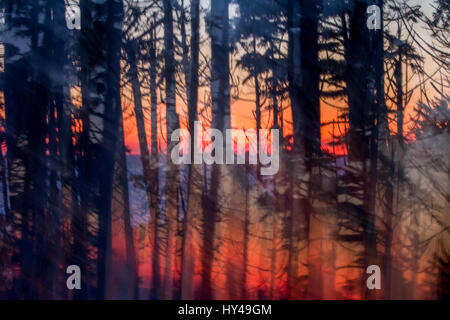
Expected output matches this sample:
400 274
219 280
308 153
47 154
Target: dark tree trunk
220 95
194 178
303 77
37 168
54 256
310 127
27 101
245 255
110 137
101 34
154 165
294 79
363 132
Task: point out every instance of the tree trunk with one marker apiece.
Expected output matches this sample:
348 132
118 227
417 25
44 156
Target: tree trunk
245 259
122 176
194 179
172 185
133 49
363 132
101 28
149 183
296 161
220 95
154 167
310 137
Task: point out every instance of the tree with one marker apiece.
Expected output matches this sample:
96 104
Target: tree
26 130
194 178
101 28
220 97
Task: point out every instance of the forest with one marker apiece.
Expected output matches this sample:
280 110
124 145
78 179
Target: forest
92 91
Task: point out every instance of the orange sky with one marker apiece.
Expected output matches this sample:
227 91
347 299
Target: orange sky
243 118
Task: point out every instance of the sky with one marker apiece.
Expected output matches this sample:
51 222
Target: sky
242 108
